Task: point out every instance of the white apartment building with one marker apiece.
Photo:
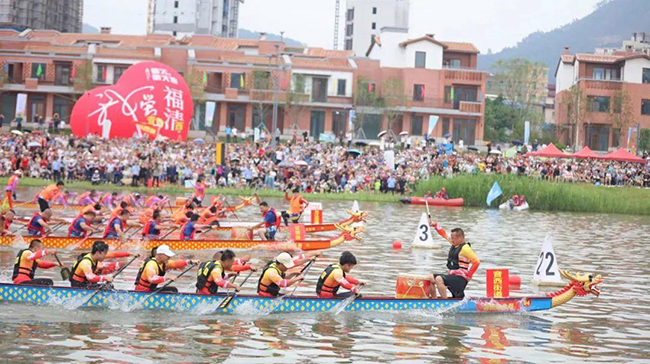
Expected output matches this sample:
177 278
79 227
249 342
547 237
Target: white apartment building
188 17
364 19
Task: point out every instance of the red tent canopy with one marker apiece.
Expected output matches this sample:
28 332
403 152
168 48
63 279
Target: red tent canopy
586 152
623 155
550 151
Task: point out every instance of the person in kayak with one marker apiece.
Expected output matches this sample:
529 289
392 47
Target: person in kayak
462 263
6 218
153 269
336 276
274 275
442 194
90 271
297 204
27 260
212 274
266 229
428 194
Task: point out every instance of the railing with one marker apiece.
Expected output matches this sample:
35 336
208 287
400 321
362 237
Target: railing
469 106
212 89
608 85
464 75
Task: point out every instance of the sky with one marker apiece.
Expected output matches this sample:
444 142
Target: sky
488 24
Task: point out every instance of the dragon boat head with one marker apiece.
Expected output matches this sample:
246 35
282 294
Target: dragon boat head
358 216
350 232
583 283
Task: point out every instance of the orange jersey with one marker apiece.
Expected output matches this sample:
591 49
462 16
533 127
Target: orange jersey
49 192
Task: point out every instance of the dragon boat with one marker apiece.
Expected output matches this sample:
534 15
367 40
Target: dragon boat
579 285
59 242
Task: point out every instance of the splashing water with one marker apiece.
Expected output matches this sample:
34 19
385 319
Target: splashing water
19 241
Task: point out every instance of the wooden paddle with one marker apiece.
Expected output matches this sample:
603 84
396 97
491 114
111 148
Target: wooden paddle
352 298
233 209
170 231
304 272
65 271
117 273
226 301
80 242
166 284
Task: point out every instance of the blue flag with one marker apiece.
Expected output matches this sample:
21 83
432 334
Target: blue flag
495 192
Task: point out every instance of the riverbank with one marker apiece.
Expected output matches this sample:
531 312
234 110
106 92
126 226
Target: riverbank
178 190
542 194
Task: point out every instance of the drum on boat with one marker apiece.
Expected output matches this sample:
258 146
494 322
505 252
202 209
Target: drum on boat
412 286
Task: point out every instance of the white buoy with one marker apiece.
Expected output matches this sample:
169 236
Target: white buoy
423 235
546 270
355 206
306 214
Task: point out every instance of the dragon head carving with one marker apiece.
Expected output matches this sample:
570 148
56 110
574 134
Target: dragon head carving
358 216
583 283
350 232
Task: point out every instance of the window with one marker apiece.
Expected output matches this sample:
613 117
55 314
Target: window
175 19
616 137
117 73
238 80
599 73
348 44
454 63
416 125
374 26
599 104
340 87
175 4
645 107
611 74
319 89
349 29
449 94
420 59
39 70
101 73
646 75
605 74
317 123
418 92
445 126
62 74
350 15
374 10
261 80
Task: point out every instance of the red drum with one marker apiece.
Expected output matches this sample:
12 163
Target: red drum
412 286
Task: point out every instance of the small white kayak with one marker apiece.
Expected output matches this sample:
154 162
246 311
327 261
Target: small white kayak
511 207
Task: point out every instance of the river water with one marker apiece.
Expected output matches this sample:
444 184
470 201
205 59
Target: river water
614 327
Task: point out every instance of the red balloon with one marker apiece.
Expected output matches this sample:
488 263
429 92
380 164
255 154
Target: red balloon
150 100
515 280
397 245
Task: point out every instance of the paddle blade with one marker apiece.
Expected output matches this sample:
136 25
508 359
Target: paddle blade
65 274
224 304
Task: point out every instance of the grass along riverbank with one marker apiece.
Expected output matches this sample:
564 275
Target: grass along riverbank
178 191
543 195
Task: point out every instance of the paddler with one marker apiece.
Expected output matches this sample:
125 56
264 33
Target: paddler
146 215
274 275
87 198
38 224
266 229
209 216
12 183
122 206
159 200
82 225
27 260
297 205
6 218
151 230
212 274
191 227
96 208
199 191
117 226
133 199
108 200
442 194
45 196
90 271
336 276
153 269
462 263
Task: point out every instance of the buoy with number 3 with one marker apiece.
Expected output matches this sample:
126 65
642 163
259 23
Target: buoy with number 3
423 236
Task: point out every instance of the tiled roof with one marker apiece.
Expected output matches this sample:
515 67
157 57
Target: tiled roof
211 41
122 40
568 58
600 58
320 52
125 52
460 47
320 63
57 49
424 38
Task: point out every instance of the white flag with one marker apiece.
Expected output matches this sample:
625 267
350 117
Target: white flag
546 270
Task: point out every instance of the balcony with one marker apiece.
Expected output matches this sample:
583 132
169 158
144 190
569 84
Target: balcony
605 85
470 107
464 76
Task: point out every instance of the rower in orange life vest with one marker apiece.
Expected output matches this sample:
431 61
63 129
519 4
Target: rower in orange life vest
442 194
87 198
6 218
189 228
45 196
274 275
212 274
267 229
116 211
38 225
146 215
108 200
90 271
153 269
159 200
12 183
209 216
336 276
151 230
199 191
96 208
297 205
133 199
82 225
28 260
462 263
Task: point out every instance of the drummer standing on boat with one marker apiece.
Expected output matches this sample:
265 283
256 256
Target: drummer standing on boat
462 263
12 183
47 194
267 229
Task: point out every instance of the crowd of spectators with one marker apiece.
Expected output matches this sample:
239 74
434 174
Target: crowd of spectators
312 166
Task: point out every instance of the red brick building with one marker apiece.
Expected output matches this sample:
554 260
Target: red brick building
316 88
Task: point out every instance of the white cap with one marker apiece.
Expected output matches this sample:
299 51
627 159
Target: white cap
18 172
164 249
285 259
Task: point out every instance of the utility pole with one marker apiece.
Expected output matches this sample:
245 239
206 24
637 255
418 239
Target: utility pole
276 90
336 24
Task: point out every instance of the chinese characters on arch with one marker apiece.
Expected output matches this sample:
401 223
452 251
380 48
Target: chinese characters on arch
150 100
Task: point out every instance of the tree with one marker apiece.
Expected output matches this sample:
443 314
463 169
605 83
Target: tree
83 76
296 97
500 120
394 100
367 98
194 79
621 112
575 103
262 95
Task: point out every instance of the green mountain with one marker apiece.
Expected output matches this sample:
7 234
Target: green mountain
611 22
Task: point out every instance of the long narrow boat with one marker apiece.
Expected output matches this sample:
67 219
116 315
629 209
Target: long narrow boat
580 285
60 242
432 201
